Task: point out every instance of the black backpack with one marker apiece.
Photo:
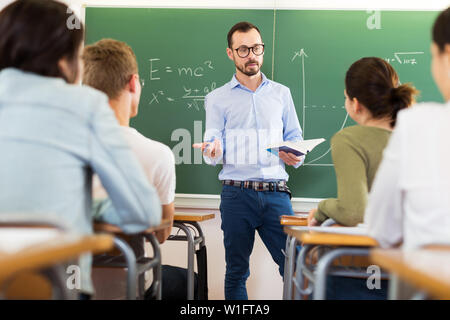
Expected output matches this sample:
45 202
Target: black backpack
174 281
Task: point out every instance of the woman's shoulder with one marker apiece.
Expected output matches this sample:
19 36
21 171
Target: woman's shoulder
33 89
349 133
425 111
84 96
361 137
358 131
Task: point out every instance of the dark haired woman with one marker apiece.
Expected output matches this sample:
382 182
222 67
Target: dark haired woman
410 200
373 97
53 133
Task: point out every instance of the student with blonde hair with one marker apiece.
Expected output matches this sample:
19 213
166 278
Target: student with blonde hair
110 66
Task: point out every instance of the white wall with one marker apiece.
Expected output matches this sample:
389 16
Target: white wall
77 5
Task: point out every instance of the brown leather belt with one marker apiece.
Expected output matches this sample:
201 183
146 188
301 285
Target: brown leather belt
280 186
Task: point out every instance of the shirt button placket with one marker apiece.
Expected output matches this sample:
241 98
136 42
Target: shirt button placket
255 108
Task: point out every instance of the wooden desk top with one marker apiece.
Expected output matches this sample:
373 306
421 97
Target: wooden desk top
306 236
338 240
110 228
426 269
286 220
54 250
190 216
295 231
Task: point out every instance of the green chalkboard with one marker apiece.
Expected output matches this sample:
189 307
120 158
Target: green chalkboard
181 56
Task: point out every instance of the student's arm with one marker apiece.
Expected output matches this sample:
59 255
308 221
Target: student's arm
384 212
136 202
214 130
292 130
165 184
168 212
350 168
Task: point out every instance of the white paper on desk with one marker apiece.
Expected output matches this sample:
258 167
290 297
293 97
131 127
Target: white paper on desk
299 228
15 239
356 231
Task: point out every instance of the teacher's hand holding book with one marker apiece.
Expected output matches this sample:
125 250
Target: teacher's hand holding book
289 158
293 152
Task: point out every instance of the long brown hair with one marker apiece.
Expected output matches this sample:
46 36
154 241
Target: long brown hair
375 84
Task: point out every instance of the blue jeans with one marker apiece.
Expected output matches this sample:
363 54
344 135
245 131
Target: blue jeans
243 211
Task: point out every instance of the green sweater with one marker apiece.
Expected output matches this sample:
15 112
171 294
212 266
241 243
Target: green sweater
357 151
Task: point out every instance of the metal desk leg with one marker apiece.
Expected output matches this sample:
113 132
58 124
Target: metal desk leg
56 274
200 233
190 253
289 261
301 270
393 287
130 259
157 274
286 266
324 264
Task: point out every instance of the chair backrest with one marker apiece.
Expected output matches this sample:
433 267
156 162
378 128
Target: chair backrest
28 285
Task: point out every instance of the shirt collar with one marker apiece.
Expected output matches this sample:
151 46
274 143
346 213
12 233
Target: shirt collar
235 83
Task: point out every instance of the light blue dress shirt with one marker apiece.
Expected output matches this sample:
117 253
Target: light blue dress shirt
52 136
246 122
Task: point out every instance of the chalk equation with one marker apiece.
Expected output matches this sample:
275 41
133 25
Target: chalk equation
404 58
192 96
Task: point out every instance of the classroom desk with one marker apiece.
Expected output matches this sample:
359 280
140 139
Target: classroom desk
45 250
184 221
125 257
290 251
341 245
426 269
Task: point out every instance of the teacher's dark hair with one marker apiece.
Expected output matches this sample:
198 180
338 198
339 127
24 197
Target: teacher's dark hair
243 26
35 35
375 84
441 29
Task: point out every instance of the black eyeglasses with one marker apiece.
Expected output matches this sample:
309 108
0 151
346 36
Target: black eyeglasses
244 51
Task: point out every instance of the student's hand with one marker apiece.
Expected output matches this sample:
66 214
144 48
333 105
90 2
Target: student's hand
312 222
163 234
289 158
212 150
